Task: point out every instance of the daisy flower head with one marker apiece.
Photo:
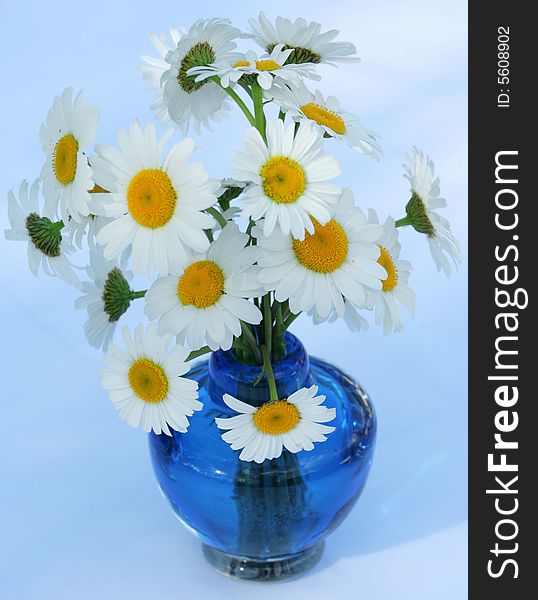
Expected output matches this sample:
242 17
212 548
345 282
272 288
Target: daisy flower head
194 102
206 300
422 211
46 247
335 263
158 203
296 100
294 423
153 67
146 384
70 128
266 70
106 297
289 177
308 43
395 290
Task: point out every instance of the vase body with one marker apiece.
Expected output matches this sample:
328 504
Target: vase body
268 520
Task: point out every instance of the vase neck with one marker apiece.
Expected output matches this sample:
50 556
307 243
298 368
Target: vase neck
228 376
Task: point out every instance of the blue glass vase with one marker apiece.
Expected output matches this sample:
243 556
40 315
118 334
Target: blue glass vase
268 520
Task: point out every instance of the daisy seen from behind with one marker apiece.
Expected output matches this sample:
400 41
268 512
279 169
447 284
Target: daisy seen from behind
158 203
106 297
266 70
337 262
422 211
146 384
296 100
294 423
206 300
289 177
190 102
395 288
69 129
308 43
47 249
153 67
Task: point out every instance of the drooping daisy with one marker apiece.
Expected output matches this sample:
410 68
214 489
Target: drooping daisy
352 318
206 300
46 246
421 211
334 263
145 382
301 104
189 102
152 69
106 298
159 203
395 289
309 45
266 70
289 178
69 129
294 423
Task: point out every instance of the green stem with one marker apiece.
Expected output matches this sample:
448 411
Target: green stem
282 115
218 216
403 221
249 337
257 98
289 320
273 393
139 294
196 353
237 99
267 322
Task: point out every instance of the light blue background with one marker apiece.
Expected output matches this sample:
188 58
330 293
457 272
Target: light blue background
80 514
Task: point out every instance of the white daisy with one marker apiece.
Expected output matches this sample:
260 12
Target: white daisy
206 300
152 68
289 178
395 289
188 101
294 423
331 265
106 298
159 203
309 45
46 246
145 383
70 129
421 211
296 100
266 70
352 318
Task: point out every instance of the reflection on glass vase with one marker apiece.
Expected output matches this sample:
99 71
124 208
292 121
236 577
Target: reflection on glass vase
268 520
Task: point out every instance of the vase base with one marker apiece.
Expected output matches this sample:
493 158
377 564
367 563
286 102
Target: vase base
275 569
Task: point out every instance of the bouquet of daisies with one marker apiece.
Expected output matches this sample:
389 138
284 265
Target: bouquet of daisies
230 263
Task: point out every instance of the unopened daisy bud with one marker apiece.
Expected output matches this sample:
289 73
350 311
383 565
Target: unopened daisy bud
45 234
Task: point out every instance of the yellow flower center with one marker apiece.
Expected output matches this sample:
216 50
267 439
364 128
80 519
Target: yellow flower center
283 179
267 65
65 159
385 260
201 284
324 250
324 116
241 63
279 416
151 198
148 380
